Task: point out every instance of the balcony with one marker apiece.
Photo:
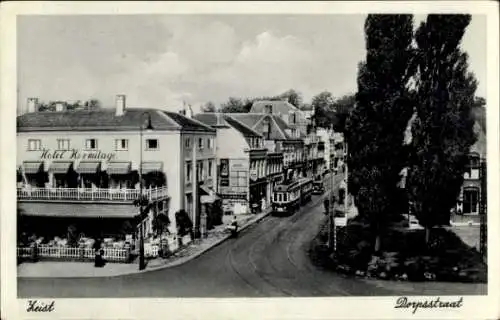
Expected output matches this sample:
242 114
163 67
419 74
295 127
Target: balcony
89 194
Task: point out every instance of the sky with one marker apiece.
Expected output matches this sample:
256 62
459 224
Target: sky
161 61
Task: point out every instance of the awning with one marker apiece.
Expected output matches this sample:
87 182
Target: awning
78 210
88 167
31 167
207 195
205 191
60 166
119 167
148 167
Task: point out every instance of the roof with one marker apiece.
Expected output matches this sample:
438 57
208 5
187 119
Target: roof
78 210
106 119
211 118
254 120
279 106
241 127
188 124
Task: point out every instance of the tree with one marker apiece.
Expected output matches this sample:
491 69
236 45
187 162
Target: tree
160 224
235 105
293 97
92 104
376 127
322 104
443 129
342 107
208 107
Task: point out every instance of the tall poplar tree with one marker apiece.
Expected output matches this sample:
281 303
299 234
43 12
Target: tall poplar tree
376 126
443 130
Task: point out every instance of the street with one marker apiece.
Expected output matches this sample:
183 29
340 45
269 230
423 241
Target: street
269 259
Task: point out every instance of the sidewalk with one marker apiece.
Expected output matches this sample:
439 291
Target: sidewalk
56 269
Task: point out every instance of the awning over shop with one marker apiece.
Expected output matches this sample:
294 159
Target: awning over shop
207 195
119 167
78 210
205 191
31 167
60 166
148 167
88 167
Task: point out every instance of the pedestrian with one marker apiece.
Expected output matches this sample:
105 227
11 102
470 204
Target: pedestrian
234 225
97 251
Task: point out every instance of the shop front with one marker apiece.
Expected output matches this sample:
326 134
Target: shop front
258 191
233 185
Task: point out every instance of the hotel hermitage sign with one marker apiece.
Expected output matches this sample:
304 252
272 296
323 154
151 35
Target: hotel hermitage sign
75 154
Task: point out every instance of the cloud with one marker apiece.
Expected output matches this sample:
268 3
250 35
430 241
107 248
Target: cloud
161 61
267 65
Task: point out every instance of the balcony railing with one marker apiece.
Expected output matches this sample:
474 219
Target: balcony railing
89 194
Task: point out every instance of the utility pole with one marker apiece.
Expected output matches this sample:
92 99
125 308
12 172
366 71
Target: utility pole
346 177
195 189
331 222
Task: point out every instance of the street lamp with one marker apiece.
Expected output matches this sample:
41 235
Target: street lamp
141 202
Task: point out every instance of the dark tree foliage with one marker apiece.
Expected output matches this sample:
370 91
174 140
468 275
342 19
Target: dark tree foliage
443 130
324 115
376 126
90 104
293 97
342 107
208 107
235 105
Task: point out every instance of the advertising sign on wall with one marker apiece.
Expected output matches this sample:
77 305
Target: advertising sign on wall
224 172
224 168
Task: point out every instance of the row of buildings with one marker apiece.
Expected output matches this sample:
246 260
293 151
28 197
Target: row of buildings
85 167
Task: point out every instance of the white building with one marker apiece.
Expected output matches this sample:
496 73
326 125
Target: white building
84 165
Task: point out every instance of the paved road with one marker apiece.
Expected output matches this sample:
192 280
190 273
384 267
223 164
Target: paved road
269 259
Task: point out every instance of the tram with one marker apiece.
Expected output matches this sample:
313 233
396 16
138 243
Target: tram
287 198
318 187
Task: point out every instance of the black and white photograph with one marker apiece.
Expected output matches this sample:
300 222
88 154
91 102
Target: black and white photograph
215 155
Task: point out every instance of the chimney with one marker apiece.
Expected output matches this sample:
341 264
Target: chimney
188 111
219 118
120 105
60 106
32 105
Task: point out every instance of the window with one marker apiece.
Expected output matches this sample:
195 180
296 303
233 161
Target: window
209 143
187 142
62 144
210 164
34 144
188 171
121 144
200 143
91 144
199 170
151 144
471 201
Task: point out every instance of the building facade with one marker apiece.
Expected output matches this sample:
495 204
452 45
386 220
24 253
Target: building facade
241 161
88 164
469 200
327 137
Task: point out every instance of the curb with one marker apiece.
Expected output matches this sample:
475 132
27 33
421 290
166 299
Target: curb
196 255
173 263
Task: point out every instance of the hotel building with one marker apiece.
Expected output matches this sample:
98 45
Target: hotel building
83 167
